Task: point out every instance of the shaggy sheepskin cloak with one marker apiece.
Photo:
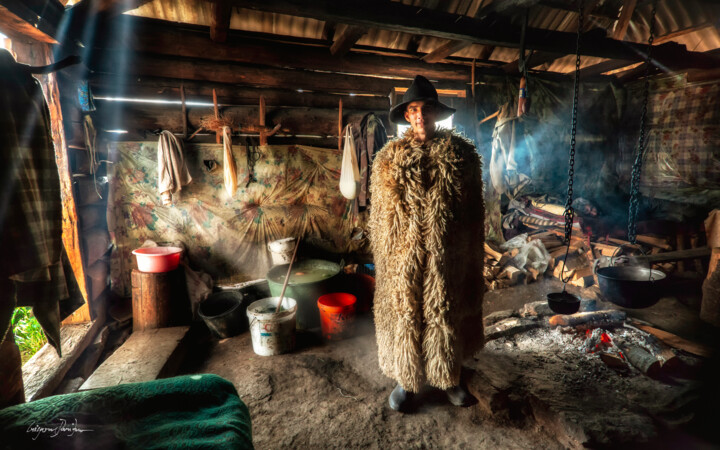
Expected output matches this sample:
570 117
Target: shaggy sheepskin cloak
427 237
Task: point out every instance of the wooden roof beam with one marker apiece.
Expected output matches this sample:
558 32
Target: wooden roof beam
158 37
397 16
220 20
607 66
328 32
11 24
109 7
108 62
39 19
540 58
346 40
621 26
452 47
536 59
445 50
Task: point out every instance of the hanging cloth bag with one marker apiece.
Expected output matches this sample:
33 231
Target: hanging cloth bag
229 168
349 172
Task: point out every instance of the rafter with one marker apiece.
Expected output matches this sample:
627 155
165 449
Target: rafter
153 36
39 20
548 58
445 50
11 24
220 20
397 16
621 26
452 46
607 66
347 39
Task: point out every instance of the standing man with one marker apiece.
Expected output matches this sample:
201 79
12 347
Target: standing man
427 237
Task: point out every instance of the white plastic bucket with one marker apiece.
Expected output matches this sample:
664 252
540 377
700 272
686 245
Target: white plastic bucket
272 334
281 250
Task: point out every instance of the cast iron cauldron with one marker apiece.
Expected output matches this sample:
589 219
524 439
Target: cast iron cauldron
563 302
630 286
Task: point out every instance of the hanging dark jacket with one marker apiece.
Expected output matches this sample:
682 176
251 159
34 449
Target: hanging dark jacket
369 138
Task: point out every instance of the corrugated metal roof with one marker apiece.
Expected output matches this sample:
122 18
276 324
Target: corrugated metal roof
672 15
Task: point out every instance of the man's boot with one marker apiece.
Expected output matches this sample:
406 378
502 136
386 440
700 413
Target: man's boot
400 399
459 396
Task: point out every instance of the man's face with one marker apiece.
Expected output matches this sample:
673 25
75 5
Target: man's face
421 116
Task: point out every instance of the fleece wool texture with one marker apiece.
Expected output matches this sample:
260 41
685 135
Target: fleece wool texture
427 237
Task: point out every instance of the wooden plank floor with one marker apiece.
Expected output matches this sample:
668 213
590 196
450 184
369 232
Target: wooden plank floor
45 370
145 356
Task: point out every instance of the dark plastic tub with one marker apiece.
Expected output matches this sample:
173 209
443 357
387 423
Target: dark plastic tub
224 314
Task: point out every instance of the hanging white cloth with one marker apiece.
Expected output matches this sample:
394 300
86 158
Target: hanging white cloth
229 168
349 171
173 173
505 175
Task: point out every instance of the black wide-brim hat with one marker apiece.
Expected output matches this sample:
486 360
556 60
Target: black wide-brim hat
421 89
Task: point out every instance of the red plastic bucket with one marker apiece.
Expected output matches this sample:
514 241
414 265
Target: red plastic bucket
337 315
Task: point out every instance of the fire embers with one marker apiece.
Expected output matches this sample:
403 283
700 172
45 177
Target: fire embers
598 340
601 342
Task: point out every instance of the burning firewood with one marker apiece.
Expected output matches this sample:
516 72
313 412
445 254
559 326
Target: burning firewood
542 309
640 358
594 319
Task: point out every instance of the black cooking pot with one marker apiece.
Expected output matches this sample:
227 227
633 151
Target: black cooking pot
563 302
630 286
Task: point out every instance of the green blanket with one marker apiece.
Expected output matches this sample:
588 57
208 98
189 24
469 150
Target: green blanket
186 412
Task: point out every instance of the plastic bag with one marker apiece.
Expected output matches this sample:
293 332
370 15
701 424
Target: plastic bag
532 254
349 171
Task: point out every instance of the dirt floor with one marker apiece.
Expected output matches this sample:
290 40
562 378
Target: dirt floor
332 395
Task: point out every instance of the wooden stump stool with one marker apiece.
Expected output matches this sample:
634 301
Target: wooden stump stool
158 299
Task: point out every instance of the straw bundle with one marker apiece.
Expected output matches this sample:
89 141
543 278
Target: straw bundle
218 123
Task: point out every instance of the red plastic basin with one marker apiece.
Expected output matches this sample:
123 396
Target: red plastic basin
157 259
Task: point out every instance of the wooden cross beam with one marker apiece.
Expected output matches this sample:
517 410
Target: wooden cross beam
397 16
346 40
621 26
220 20
452 46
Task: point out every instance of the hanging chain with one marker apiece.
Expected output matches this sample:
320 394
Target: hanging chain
642 144
569 210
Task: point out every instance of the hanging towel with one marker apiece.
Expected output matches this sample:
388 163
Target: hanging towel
229 168
173 173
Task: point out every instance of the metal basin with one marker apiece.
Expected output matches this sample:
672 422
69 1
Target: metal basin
631 287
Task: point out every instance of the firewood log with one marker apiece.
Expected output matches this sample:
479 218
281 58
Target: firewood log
606 318
642 360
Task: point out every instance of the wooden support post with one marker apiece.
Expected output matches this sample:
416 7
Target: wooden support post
218 133
340 125
694 240
261 121
184 110
680 242
472 81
